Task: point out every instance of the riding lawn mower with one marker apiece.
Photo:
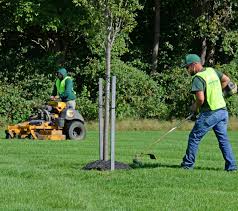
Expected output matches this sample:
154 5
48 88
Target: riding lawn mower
53 121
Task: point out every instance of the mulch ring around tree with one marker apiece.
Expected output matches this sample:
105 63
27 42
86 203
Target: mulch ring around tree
103 165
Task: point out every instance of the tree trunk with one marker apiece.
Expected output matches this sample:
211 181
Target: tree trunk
204 51
156 37
107 98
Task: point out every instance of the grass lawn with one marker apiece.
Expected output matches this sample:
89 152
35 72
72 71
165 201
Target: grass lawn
48 174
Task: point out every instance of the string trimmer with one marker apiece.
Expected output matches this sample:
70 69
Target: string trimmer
152 156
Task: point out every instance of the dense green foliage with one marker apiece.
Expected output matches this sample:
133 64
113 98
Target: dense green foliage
138 96
48 175
231 70
36 37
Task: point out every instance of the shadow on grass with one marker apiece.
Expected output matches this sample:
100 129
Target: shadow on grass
141 165
151 165
157 165
209 168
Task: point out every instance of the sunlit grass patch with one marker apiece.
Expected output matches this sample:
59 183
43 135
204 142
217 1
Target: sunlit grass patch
47 175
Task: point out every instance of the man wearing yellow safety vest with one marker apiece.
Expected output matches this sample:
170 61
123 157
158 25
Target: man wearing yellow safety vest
207 86
63 88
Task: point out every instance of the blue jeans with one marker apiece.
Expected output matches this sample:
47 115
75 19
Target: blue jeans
216 120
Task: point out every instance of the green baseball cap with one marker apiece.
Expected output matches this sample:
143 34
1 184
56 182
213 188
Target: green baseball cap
62 71
191 58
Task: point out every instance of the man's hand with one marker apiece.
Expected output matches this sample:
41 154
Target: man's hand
193 111
224 81
54 98
230 89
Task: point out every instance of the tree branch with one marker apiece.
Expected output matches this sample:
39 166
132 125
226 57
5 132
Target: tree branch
38 43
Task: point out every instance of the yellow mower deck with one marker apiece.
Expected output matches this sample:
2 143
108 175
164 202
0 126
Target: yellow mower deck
42 132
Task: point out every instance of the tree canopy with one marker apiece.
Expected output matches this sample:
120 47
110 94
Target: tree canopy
38 36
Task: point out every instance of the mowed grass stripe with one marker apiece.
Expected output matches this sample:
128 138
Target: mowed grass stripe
47 175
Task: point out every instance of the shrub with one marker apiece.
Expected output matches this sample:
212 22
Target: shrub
86 105
13 107
138 96
176 84
231 70
18 100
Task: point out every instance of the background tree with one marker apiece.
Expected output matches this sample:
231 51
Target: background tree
36 37
111 17
213 24
156 36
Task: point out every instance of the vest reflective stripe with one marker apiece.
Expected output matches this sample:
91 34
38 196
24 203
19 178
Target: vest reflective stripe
60 85
214 95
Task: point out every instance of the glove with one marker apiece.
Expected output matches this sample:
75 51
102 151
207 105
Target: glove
194 116
194 109
194 112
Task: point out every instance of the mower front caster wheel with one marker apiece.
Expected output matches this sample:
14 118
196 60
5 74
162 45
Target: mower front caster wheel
8 136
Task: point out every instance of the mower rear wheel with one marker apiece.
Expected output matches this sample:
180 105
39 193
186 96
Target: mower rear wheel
75 130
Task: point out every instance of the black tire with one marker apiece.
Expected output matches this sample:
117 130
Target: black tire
8 136
75 130
30 136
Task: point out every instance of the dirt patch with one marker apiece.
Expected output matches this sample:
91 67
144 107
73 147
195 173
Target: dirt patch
103 165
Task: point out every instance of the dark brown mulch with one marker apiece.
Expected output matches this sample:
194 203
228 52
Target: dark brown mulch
103 165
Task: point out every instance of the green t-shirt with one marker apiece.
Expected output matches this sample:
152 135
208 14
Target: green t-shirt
198 84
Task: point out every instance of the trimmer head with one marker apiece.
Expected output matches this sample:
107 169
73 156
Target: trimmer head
138 162
152 156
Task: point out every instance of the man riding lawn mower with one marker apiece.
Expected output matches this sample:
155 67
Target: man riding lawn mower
57 120
53 122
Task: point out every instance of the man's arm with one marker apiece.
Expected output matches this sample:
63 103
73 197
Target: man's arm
224 81
199 101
